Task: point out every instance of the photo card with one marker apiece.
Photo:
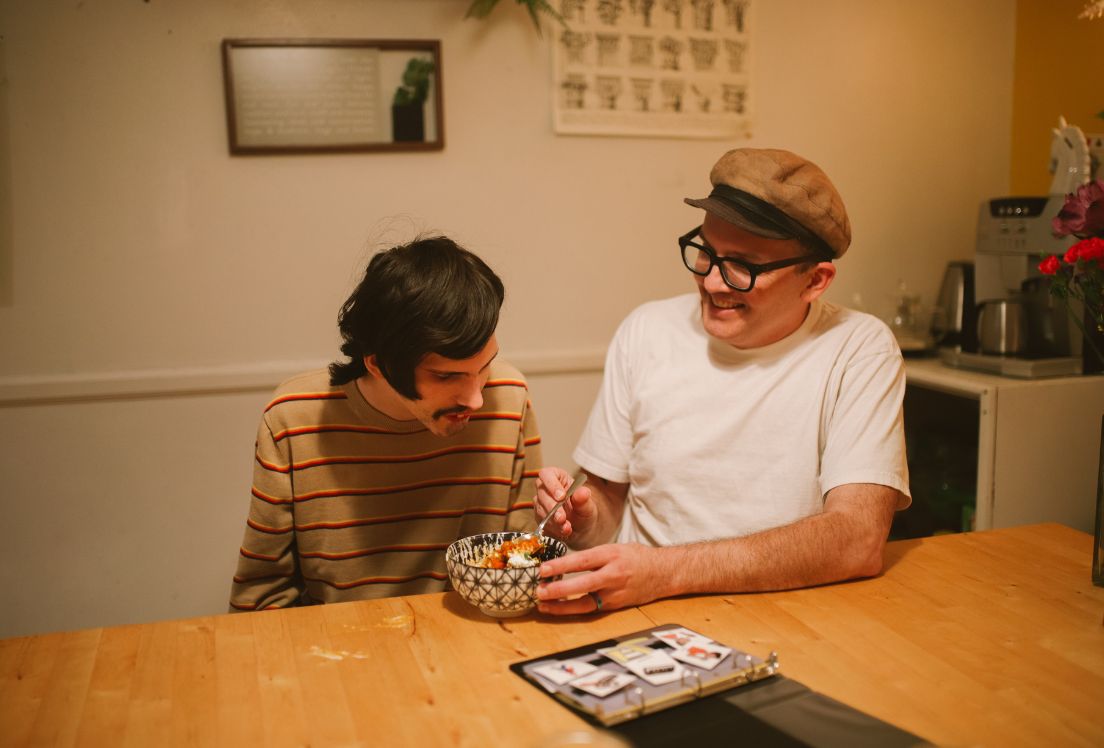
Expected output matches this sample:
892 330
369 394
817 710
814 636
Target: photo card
564 671
681 637
627 651
707 655
602 682
657 668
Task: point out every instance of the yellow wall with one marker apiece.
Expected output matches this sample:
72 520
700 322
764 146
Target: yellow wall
1059 71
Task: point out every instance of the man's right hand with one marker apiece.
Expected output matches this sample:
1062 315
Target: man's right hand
576 515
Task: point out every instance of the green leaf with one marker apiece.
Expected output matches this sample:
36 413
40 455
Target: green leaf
483 8
480 8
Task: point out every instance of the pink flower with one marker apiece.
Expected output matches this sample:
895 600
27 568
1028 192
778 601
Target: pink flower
1050 265
1083 212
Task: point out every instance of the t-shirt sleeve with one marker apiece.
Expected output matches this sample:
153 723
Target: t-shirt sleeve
606 444
864 433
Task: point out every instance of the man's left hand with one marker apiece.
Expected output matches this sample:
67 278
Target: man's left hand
620 575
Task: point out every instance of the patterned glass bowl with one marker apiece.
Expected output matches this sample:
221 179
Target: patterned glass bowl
499 593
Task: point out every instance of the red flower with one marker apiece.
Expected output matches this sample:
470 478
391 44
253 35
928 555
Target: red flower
1072 253
1091 249
1050 265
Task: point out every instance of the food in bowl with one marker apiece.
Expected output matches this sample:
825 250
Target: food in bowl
517 553
497 592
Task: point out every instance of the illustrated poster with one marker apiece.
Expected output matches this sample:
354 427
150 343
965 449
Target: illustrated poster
677 68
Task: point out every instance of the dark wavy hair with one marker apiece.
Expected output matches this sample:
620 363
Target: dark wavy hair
428 296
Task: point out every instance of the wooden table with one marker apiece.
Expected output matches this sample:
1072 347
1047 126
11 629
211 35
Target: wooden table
987 638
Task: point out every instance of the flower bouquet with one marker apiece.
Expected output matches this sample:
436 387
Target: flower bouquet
1078 275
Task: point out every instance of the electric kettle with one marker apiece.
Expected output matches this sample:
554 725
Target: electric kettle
954 318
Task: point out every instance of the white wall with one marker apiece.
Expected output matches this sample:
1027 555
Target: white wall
147 262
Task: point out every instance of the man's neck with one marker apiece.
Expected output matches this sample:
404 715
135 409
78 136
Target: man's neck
382 397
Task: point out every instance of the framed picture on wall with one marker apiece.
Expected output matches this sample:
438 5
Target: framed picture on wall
332 95
676 68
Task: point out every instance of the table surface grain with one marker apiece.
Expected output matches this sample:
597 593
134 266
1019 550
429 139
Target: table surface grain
986 638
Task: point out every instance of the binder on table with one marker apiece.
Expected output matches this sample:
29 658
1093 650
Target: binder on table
742 695
640 697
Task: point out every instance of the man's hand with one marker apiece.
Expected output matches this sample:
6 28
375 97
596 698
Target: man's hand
577 513
845 541
620 575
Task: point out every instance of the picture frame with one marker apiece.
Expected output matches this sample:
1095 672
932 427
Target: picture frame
680 69
333 95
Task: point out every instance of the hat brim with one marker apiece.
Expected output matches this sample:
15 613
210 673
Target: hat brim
726 212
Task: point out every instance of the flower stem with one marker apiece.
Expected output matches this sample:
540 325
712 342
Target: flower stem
1081 326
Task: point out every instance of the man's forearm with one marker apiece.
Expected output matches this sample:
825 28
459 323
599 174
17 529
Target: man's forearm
827 547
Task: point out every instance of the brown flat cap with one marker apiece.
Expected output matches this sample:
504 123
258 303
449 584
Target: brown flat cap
746 178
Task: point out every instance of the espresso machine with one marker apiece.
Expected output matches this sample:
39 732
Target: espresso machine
1022 331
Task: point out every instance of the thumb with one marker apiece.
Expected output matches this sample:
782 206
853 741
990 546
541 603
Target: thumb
582 507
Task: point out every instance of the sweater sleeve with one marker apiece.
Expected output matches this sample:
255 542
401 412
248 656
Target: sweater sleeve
527 462
268 570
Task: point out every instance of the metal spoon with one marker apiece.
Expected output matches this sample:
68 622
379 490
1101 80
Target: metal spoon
580 480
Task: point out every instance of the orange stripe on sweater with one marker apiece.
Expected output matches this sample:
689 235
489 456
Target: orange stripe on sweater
257 556
344 427
384 459
380 580
273 467
506 383
270 530
259 577
490 480
305 396
500 416
270 499
408 517
373 551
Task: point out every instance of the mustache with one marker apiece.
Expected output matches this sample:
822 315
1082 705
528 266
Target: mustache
450 411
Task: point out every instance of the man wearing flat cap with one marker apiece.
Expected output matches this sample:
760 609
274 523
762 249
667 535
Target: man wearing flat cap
748 437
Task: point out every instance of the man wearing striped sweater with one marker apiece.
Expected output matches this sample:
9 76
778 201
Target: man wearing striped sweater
366 472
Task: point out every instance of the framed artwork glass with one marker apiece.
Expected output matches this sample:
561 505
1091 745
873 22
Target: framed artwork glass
332 95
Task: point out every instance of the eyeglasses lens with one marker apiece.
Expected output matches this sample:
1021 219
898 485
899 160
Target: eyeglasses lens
696 260
699 262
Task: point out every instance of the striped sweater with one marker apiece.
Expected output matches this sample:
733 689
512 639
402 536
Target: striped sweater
350 504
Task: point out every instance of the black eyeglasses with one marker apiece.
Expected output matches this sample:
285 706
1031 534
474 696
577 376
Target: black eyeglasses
738 275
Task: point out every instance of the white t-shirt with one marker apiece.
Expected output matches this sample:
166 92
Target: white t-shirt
719 442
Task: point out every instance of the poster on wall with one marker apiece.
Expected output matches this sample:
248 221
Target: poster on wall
667 68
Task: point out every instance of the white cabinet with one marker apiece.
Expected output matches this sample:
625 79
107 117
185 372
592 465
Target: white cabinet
1038 443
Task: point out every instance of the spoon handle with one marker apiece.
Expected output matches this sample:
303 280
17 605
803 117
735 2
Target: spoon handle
579 480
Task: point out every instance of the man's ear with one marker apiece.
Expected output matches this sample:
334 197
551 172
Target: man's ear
372 366
820 277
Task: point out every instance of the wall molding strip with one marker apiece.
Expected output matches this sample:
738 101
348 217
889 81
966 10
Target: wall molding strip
262 376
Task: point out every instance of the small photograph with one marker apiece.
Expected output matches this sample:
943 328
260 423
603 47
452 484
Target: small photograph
627 651
678 638
564 671
602 683
657 668
706 656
